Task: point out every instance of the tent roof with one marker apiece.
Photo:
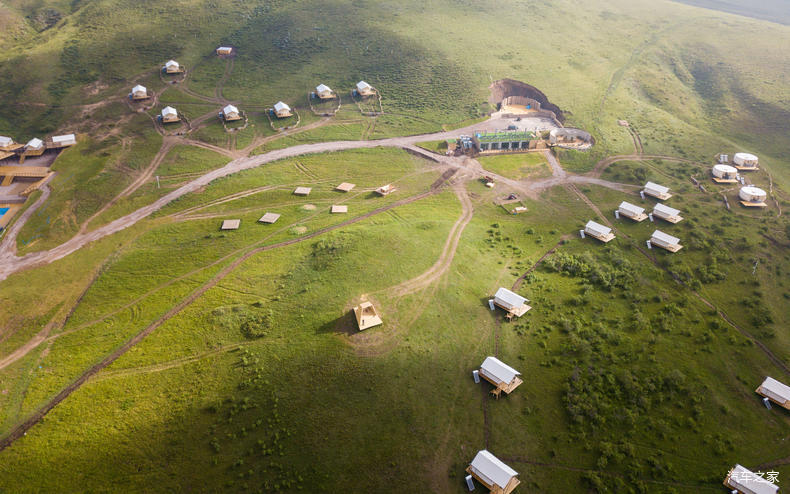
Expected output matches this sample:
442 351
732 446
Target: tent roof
499 370
170 63
631 208
597 228
6 141
362 85
492 468
744 479
746 156
139 87
169 110
662 208
35 143
510 297
230 109
322 87
781 390
64 138
658 234
658 188
281 106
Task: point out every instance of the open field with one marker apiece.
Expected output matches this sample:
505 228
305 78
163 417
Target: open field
171 356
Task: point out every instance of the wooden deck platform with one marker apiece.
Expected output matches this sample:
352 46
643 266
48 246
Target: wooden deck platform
517 312
725 180
746 168
750 204
13 147
673 248
670 219
6 154
637 217
11 172
785 404
603 238
662 197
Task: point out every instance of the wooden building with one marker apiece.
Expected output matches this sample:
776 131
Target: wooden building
632 211
385 190
775 391
230 113
513 303
139 92
366 316
744 481
668 242
224 50
169 114
502 376
495 476
666 213
282 110
657 191
365 89
322 91
724 174
172 67
599 231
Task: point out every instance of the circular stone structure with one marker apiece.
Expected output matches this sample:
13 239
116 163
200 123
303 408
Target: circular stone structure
745 159
752 194
724 171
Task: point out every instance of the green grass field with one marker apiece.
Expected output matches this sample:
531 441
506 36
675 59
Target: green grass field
639 365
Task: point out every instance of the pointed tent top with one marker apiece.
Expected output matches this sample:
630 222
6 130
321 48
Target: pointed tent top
230 109
322 87
281 106
492 468
171 63
139 89
35 143
169 110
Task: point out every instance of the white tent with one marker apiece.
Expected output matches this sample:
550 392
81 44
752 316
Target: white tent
745 481
498 371
656 190
5 141
668 242
35 144
280 106
775 391
509 300
632 211
599 231
491 470
169 112
323 88
666 213
139 90
65 140
172 65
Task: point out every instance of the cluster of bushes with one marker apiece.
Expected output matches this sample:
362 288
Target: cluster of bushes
328 250
616 273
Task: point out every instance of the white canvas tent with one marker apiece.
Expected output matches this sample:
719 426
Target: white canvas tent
747 482
599 231
667 213
493 473
632 211
64 140
323 91
230 112
665 241
139 92
775 391
657 191
513 303
364 89
34 144
6 142
282 110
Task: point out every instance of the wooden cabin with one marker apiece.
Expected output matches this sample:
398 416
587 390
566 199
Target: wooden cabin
63 141
224 50
385 190
746 162
302 191
775 391
513 303
282 110
169 114
365 89
322 91
724 174
172 67
744 481
502 376
668 242
339 208
269 218
230 113
657 191
230 225
666 213
495 476
139 92
366 316
632 211
345 187
599 231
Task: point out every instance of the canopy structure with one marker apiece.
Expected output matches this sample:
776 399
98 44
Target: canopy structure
64 140
724 174
745 161
169 114
513 303
667 213
139 92
495 475
172 67
34 144
366 316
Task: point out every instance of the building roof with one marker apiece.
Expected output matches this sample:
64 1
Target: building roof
666 210
498 370
139 89
362 85
491 469
505 136
169 110
230 109
780 391
34 143
725 168
64 139
657 188
510 298
746 481
631 208
669 239
6 141
321 88
746 156
269 218
171 63
597 228
753 191
279 106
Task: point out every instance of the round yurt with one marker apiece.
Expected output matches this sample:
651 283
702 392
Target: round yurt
752 194
745 159
726 172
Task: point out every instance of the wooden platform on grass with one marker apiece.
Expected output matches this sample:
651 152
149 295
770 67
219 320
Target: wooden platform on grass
11 172
746 168
339 209
345 187
506 387
603 238
269 218
366 316
725 180
636 217
520 311
749 204
13 147
672 248
302 191
670 219
230 225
